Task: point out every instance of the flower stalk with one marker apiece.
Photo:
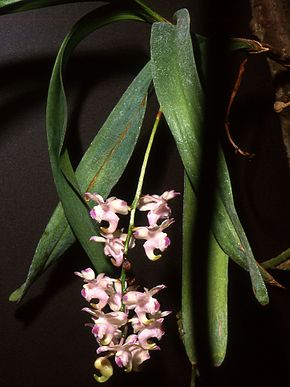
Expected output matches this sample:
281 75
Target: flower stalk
138 194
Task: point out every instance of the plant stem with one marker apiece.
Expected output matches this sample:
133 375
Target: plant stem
138 193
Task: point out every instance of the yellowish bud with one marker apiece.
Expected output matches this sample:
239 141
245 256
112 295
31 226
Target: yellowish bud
104 366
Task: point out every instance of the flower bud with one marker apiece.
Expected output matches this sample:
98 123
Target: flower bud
105 368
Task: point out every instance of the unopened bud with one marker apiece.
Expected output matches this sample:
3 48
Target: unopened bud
105 368
127 266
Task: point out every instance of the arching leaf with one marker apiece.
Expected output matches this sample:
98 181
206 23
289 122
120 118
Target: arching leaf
182 99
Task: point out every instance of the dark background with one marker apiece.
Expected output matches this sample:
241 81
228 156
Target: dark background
43 340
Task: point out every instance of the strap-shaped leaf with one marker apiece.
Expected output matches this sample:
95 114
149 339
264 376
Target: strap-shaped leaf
187 304
99 170
216 288
182 99
56 119
11 6
281 262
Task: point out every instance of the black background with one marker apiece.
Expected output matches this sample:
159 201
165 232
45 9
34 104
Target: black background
43 340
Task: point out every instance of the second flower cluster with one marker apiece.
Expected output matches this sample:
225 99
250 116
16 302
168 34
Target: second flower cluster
158 215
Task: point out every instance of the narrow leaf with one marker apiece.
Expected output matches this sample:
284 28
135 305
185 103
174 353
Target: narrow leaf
99 170
281 262
56 119
11 6
217 286
249 45
217 301
181 97
187 304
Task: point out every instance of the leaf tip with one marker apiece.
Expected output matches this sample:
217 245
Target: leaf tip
17 295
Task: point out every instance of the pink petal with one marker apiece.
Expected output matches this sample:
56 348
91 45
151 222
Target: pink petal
87 274
168 195
117 205
149 247
141 233
139 356
115 248
113 221
95 197
96 238
115 302
146 334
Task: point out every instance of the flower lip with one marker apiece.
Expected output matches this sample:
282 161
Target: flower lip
155 238
156 206
106 210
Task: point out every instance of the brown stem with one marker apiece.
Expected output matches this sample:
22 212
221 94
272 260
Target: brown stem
232 97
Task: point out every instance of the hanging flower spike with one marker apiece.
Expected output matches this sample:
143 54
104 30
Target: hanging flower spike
107 210
157 206
114 245
155 238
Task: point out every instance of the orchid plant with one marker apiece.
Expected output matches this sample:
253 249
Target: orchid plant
127 321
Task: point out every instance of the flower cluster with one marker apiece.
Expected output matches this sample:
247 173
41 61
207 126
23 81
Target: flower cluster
124 323
153 234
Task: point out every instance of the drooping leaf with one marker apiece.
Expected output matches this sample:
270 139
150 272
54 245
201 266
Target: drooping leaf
281 262
216 288
11 6
56 119
99 170
248 45
187 305
217 308
182 99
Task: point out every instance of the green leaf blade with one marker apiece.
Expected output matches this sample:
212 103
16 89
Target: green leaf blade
216 288
182 99
12 6
100 168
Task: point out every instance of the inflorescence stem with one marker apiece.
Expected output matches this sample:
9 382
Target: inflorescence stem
138 194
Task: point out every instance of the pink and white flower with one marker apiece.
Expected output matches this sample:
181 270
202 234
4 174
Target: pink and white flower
102 288
107 210
155 238
143 303
129 331
157 206
106 325
128 354
114 245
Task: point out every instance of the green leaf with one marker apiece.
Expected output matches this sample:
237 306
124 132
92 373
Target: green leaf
217 307
55 240
99 170
281 262
182 99
56 119
187 304
249 45
11 6
217 286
